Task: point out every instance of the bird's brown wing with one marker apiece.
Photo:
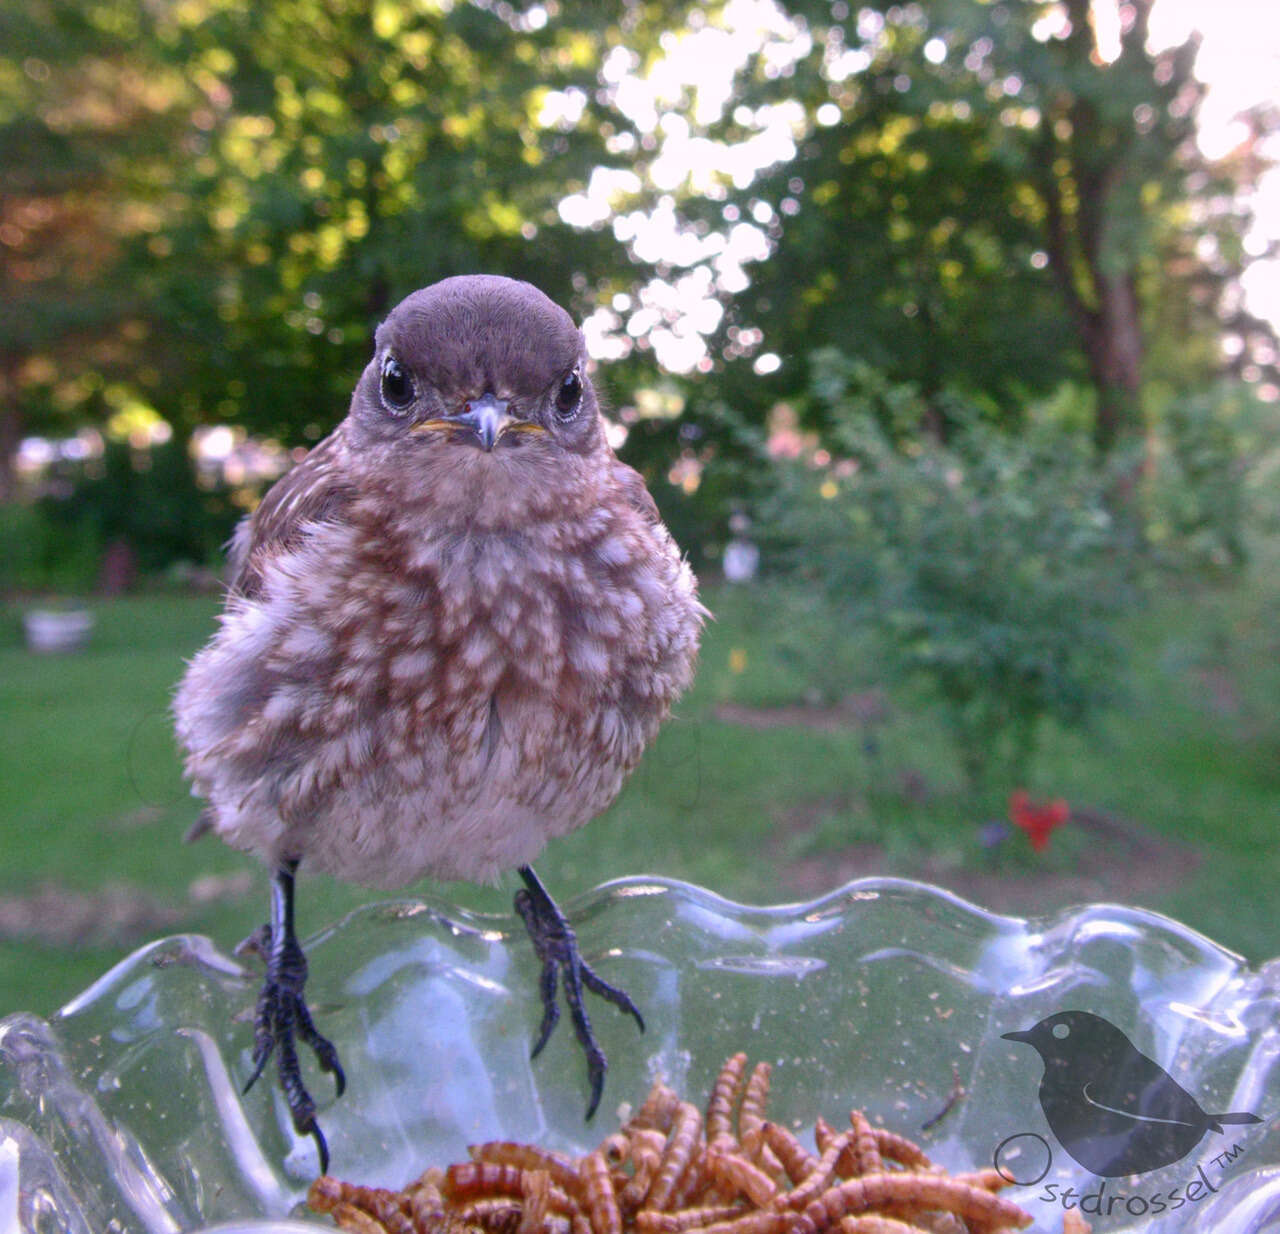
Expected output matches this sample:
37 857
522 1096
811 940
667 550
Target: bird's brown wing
631 484
311 492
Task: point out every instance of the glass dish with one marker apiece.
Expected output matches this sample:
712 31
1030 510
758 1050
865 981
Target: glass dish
123 1113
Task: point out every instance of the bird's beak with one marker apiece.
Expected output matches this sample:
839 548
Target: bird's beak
1024 1035
484 419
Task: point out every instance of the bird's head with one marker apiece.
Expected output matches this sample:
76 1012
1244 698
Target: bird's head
477 380
1075 1039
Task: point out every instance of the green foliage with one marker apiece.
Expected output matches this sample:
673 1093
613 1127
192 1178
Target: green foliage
728 464
978 202
151 500
347 156
39 553
207 206
990 567
90 117
148 499
1215 458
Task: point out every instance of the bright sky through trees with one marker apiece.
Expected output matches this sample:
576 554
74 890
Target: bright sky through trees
1239 60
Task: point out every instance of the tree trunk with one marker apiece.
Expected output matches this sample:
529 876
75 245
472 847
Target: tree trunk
1114 347
10 427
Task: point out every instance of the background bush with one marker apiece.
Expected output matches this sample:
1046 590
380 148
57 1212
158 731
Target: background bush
42 553
989 566
150 500
1213 452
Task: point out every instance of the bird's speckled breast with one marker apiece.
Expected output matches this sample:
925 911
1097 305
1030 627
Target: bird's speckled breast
440 702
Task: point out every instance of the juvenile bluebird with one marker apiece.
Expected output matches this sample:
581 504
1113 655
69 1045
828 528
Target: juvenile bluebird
451 632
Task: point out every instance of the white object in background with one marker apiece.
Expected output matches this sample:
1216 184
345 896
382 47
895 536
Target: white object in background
741 561
53 630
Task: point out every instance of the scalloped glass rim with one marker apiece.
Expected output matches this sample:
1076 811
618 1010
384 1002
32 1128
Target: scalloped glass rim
123 1113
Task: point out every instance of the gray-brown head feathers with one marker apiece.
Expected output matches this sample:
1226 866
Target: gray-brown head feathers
461 339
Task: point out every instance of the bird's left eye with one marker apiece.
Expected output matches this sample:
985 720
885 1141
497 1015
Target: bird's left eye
397 385
569 396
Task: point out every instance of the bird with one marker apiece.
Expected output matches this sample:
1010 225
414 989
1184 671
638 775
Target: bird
449 634
1116 1111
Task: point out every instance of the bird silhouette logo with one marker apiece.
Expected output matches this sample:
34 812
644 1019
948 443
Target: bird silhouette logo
1115 1110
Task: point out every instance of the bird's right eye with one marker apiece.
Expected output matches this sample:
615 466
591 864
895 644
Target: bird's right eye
397 385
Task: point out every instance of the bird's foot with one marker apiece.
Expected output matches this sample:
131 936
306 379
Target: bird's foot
280 1019
557 948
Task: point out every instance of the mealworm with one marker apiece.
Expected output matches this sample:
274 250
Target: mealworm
693 1183
762 1221
667 1171
676 1221
823 1132
615 1148
535 1198
987 1180
426 1204
724 1094
386 1207
797 1160
743 1177
754 1098
686 1126
468 1179
598 1195
872 1223
898 1148
646 1152
355 1220
495 1214
526 1157
923 1191
821 1175
864 1150
658 1110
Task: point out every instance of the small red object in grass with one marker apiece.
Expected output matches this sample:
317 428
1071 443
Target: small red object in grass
1037 819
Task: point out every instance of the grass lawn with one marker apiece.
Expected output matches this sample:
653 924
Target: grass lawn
757 803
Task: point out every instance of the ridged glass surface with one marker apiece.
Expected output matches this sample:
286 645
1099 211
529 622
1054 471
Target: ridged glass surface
124 1113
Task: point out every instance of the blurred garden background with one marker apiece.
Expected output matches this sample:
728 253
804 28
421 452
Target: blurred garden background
940 331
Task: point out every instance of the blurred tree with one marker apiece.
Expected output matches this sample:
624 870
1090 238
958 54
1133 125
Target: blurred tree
348 152
981 200
87 118
208 204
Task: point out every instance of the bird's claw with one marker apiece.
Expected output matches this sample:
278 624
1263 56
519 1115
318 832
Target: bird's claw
281 1017
557 947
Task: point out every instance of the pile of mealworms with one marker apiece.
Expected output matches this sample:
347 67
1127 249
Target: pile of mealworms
670 1170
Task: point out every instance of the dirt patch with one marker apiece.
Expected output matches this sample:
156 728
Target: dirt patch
118 914
1121 863
61 917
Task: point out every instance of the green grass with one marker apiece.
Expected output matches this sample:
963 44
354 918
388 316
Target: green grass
93 795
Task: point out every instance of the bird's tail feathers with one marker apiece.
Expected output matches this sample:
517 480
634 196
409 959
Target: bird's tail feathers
1241 1116
202 826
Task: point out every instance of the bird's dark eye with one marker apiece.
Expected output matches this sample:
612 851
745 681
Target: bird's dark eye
569 396
397 385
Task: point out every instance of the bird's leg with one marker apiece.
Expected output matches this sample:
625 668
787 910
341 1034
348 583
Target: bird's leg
557 948
282 1016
